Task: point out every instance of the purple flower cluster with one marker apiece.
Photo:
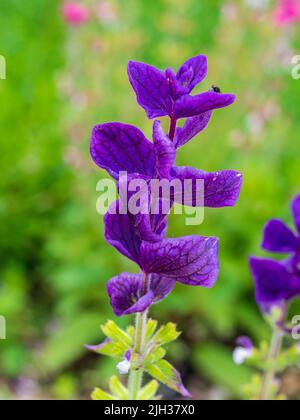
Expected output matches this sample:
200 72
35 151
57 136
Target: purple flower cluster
278 282
120 148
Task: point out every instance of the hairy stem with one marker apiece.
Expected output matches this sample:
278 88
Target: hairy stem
274 352
137 369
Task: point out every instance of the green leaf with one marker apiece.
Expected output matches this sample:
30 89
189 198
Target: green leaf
118 389
166 334
164 372
131 331
99 395
156 355
112 349
151 328
149 391
116 334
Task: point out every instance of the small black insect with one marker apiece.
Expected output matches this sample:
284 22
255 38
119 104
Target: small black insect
216 89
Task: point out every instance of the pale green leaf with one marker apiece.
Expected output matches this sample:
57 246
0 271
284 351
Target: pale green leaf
118 389
156 355
116 334
164 372
99 395
151 328
112 349
166 334
149 391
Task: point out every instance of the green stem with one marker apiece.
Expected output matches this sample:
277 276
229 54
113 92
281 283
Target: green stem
275 349
137 369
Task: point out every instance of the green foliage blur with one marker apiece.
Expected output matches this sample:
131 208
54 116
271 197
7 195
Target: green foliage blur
54 262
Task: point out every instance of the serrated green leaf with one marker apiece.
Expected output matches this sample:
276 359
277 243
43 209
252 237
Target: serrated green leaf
116 334
166 334
149 391
117 388
151 328
99 395
164 372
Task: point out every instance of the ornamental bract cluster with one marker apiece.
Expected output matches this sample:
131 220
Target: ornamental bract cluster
120 148
141 236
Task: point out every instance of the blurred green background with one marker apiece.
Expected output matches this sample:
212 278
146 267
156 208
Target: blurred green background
54 263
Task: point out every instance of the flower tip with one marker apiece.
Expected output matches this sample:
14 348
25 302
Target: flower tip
232 98
184 392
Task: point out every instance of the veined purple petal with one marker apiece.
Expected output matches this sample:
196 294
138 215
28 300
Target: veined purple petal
165 151
125 294
191 260
190 106
118 147
274 284
296 211
192 72
161 286
121 233
191 128
221 189
151 88
278 237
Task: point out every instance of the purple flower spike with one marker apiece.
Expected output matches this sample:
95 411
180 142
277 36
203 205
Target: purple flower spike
277 283
164 93
126 293
149 184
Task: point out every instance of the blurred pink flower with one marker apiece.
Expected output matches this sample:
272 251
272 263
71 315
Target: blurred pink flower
287 12
75 13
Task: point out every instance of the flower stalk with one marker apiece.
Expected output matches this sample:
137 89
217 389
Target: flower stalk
274 353
137 369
